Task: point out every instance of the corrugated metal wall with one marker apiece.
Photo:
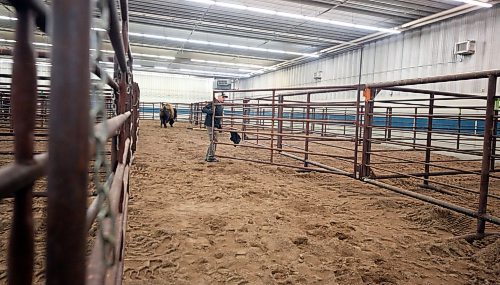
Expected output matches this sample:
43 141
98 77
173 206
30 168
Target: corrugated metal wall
422 52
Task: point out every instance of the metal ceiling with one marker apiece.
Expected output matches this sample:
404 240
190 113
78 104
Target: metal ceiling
223 26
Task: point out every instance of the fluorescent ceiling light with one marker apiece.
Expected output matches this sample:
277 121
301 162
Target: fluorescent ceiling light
247 70
296 16
44 64
8 18
161 68
214 73
42 44
228 63
154 56
477 3
199 42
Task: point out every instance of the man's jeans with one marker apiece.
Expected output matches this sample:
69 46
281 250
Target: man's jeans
212 146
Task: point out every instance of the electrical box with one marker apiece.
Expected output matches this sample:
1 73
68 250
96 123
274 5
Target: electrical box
223 84
318 75
465 48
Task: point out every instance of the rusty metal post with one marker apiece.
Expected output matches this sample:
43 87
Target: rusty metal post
459 127
323 125
281 100
69 143
345 120
232 116
313 125
307 130
291 122
367 133
246 120
429 140
494 142
135 121
23 102
273 120
415 129
357 133
389 126
487 143
122 107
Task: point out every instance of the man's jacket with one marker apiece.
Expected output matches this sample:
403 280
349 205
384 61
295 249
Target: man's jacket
209 111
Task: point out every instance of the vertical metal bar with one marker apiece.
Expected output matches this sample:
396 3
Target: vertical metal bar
357 132
459 127
258 122
485 171
345 120
386 123
357 120
429 140
313 125
323 125
367 133
23 102
232 116
303 115
389 130
281 100
122 108
494 142
415 128
307 129
291 117
68 145
246 120
273 120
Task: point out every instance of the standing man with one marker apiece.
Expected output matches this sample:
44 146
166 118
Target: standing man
209 119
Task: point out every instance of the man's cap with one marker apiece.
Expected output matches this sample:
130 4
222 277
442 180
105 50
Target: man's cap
224 95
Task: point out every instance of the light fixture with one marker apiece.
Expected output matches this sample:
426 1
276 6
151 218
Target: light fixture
8 18
221 44
154 56
477 3
228 63
215 73
42 44
295 16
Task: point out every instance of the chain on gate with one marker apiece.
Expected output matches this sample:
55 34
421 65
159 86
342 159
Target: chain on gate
98 111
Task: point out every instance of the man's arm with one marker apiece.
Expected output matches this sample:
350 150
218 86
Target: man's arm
207 109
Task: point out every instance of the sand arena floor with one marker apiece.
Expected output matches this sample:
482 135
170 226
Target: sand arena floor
234 222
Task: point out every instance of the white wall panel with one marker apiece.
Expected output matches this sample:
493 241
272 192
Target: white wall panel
156 87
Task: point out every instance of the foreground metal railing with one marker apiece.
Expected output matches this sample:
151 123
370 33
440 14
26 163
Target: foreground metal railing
420 138
71 142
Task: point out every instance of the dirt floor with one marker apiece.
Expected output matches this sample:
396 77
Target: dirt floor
232 222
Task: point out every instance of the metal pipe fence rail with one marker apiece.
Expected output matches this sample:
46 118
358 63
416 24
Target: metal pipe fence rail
42 112
420 138
71 144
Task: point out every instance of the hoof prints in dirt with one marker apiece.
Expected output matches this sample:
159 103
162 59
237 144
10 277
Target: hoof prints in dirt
432 217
